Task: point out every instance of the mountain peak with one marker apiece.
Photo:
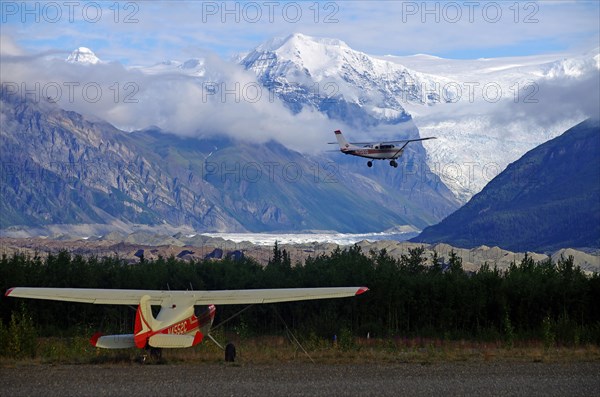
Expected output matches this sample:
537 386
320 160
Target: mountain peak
302 39
192 63
297 41
83 55
193 67
320 57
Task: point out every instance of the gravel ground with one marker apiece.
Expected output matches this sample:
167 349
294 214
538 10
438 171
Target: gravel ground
301 379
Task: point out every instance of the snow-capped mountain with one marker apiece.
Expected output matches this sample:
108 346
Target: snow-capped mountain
193 67
332 77
83 55
160 67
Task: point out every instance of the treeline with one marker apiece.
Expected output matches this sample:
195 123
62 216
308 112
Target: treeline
554 302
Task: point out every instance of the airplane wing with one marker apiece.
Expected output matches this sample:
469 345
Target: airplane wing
385 142
221 297
411 140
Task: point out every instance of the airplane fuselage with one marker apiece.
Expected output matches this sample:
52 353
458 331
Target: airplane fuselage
172 321
199 321
375 152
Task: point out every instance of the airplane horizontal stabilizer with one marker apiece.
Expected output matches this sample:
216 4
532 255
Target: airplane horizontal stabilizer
171 341
124 341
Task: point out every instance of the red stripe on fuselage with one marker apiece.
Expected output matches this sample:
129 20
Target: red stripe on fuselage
370 151
140 339
186 326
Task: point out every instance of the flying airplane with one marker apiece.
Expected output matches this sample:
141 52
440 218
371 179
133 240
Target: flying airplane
185 317
374 150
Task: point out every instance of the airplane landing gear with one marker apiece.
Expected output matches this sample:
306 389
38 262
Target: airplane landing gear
156 353
369 164
230 352
394 164
152 355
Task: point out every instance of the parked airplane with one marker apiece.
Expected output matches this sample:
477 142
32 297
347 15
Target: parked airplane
185 317
374 150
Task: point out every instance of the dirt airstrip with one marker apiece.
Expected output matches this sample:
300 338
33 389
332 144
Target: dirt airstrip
303 379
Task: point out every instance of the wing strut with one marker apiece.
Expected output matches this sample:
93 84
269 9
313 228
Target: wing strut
292 336
215 341
232 317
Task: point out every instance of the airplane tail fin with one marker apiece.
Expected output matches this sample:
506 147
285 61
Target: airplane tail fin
341 140
144 322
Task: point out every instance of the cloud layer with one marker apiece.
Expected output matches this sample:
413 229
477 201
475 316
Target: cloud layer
226 100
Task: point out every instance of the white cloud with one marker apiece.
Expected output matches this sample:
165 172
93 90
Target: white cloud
8 47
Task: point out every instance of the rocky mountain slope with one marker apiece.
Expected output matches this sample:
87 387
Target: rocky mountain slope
63 168
197 247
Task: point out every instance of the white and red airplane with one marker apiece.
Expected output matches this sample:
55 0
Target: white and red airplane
374 150
185 317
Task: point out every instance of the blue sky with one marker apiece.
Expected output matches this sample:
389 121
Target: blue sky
144 32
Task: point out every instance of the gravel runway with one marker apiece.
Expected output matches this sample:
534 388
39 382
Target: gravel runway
302 379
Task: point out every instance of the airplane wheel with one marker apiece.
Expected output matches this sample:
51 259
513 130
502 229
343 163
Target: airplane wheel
230 352
369 164
394 164
156 354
